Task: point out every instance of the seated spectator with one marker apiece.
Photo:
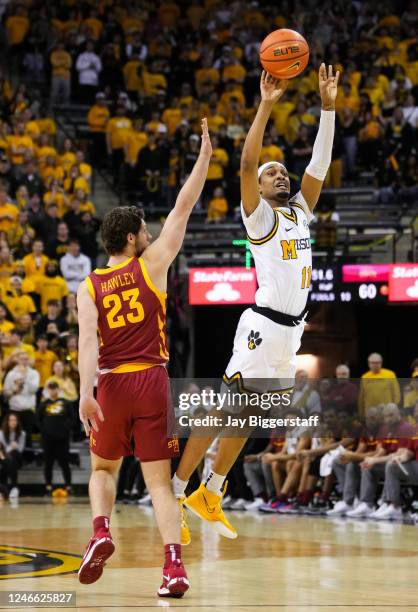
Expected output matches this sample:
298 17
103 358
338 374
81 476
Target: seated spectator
87 236
258 473
35 263
393 434
218 206
6 325
66 385
12 440
55 419
25 327
346 466
52 286
304 398
53 322
74 266
17 302
411 393
342 393
71 313
402 467
13 345
20 387
57 246
301 151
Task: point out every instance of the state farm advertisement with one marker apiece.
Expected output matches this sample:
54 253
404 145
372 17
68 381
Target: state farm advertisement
403 283
214 286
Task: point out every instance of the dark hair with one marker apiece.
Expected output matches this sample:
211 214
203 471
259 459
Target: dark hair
6 429
117 224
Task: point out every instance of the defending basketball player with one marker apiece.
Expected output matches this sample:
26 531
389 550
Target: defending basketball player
278 231
126 302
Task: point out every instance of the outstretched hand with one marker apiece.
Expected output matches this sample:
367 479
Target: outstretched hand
328 86
206 146
271 89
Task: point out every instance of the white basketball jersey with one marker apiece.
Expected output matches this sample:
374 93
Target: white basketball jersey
280 244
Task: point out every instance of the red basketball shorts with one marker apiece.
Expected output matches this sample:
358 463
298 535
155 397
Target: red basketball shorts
136 408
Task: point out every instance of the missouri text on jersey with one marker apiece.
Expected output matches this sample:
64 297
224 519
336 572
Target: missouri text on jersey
290 247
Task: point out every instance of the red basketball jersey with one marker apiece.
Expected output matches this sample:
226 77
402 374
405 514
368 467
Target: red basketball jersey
132 316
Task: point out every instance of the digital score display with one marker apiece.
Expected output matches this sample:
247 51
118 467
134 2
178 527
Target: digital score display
349 283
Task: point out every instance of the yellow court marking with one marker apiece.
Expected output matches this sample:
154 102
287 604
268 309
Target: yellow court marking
22 562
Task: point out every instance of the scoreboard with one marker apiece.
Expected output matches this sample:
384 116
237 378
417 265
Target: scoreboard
371 283
350 283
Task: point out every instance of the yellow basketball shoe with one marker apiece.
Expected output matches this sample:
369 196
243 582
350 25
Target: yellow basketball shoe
207 506
185 537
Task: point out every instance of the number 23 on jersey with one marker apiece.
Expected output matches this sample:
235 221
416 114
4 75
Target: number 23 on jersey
114 302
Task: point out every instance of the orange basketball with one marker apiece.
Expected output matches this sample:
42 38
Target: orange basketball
284 54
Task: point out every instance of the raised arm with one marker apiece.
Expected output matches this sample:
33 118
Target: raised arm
322 150
88 352
160 254
271 91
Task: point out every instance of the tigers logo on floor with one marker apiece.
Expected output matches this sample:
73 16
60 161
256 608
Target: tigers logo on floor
22 562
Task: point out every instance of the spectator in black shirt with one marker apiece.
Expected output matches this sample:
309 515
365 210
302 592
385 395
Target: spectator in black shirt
57 246
31 179
151 159
87 236
55 419
35 213
49 224
73 218
301 151
53 323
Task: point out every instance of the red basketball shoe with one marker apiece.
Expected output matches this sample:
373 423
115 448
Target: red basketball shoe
175 581
99 549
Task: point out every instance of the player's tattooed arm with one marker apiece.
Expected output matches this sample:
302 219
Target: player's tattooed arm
271 91
160 254
90 411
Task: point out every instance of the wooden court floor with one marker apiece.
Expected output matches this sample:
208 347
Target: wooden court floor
297 563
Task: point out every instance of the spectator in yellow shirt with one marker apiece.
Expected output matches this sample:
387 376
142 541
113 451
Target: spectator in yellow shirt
137 139
17 27
17 302
94 24
67 158
44 359
132 74
98 115
218 206
206 74
20 145
377 386
216 170
9 213
270 151
6 266
61 63
35 263
152 80
6 326
51 286
12 346
117 134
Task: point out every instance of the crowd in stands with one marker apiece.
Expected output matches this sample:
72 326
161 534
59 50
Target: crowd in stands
151 71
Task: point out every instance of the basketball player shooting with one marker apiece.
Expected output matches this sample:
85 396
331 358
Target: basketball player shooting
126 303
269 334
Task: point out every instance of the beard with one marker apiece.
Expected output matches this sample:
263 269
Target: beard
139 248
282 197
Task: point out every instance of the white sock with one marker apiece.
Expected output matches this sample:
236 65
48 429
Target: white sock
179 486
214 483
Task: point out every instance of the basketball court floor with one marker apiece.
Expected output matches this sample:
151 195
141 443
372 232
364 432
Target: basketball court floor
299 563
